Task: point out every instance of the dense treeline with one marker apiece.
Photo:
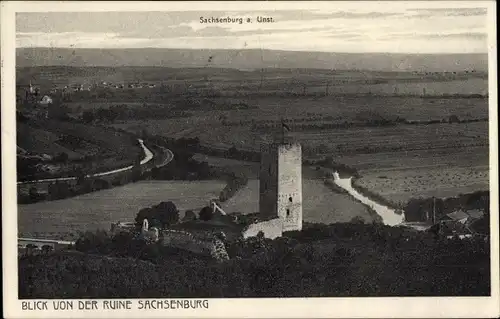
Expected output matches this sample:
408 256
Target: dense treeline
352 259
125 112
421 209
375 122
235 181
342 169
83 185
161 215
183 167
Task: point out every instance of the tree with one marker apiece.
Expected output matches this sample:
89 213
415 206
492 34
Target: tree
357 220
166 213
162 215
46 249
100 184
189 215
206 213
80 175
136 172
88 116
33 193
453 119
145 213
233 151
59 190
30 249
62 157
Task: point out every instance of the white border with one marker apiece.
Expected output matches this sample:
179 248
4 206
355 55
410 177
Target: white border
420 307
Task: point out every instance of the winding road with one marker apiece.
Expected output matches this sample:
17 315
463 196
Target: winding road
147 158
23 242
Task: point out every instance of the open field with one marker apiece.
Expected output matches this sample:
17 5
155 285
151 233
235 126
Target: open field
320 204
399 186
309 108
400 153
98 210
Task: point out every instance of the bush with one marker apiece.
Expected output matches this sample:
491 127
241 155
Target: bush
189 215
161 215
206 213
234 183
357 220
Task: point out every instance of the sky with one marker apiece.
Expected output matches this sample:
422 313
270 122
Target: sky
450 27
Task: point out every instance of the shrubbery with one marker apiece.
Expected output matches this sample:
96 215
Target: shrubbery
234 183
162 215
319 261
417 209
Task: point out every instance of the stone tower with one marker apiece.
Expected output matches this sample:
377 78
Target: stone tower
281 184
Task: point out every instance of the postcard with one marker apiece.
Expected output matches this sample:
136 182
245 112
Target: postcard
250 159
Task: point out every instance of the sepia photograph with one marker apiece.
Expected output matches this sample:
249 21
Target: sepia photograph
281 150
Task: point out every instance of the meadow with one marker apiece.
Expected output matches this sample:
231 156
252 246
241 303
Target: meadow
98 210
399 186
319 203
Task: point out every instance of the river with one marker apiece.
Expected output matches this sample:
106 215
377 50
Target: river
388 215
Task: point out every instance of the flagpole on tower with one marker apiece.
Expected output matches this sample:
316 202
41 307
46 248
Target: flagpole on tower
283 128
282 131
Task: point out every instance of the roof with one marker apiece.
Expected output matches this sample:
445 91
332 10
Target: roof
481 226
458 215
475 213
46 100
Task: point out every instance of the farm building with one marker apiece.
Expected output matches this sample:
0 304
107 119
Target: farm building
451 229
475 213
46 100
458 215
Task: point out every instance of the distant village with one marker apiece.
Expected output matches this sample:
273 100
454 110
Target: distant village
35 91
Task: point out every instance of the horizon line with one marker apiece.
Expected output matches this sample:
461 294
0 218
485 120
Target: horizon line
258 49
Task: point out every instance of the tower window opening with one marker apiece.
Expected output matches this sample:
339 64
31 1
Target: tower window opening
287 212
290 199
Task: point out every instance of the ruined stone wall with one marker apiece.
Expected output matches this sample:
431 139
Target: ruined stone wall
271 228
187 241
290 186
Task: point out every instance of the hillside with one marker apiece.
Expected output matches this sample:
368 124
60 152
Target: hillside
338 260
249 59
